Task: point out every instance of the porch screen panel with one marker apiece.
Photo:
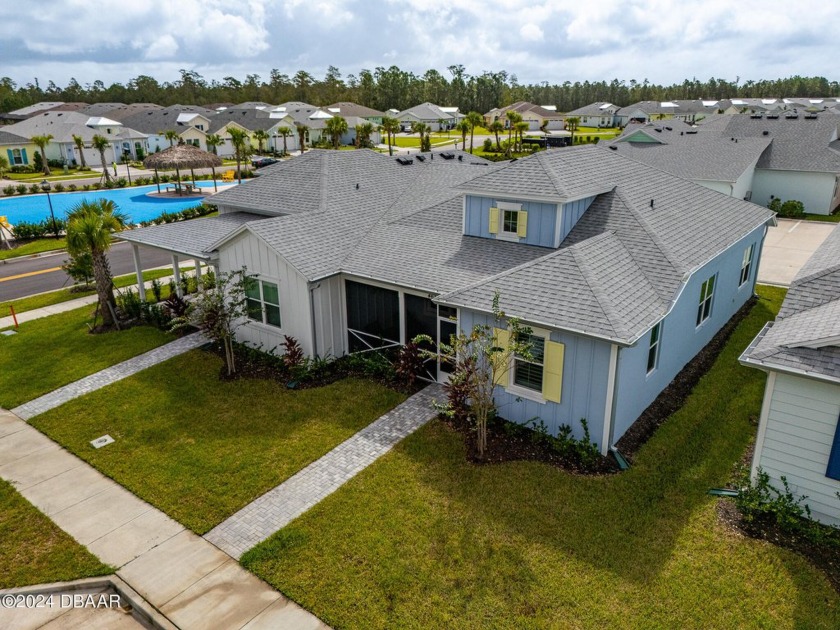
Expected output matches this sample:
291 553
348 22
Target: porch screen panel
421 319
373 316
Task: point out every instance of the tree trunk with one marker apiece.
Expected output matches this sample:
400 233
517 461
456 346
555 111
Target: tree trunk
104 166
104 285
285 151
82 156
44 160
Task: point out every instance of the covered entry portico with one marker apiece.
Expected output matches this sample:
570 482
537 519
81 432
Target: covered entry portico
185 240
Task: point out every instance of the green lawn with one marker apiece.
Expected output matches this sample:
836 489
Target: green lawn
423 539
56 176
414 141
199 448
827 218
56 350
35 550
37 246
65 295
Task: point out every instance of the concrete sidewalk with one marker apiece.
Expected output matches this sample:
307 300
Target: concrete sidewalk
190 581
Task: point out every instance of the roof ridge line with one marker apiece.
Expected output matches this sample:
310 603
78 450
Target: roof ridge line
666 252
594 284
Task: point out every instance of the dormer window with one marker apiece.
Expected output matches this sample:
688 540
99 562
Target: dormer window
508 221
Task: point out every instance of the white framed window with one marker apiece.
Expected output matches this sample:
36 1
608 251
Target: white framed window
17 157
263 302
528 373
707 292
653 350
746 265
510 215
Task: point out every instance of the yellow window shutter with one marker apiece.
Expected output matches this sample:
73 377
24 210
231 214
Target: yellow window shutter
502 336
494 220
522 224
553 371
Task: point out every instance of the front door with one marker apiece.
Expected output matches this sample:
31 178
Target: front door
447 328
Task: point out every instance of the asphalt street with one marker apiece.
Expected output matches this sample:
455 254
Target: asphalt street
20 277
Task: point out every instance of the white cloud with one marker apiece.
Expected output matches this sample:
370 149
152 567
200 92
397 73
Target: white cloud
531 32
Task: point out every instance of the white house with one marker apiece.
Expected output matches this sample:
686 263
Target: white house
798 430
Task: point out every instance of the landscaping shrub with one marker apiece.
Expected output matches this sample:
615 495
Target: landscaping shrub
59 187
157 289
80 268
72 187
96 186
409 363
122 182
488 145
22 189
38 162
175 306
293 357
34 189
109 184
9 190
789 209
85 186
155 315
128 304
22 168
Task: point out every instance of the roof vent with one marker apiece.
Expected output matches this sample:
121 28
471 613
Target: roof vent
772 116
651 203
765 133
421 158
681 133
405 161
810 116
792 116
755 115
669 128
447 156
357 186
613 147
460 158
658 130
691 132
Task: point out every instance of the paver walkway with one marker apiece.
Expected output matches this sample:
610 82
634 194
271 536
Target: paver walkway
108 375
276 508
191 582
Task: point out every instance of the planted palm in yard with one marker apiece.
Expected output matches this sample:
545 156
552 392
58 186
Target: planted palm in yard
423 538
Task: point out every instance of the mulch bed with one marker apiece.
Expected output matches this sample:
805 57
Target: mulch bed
509 441
825 557
673 397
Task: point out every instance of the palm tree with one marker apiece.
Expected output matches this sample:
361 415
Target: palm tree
89 228
80 145
100 143
520 128
475 120
241 147
336 127
463 128
302 130
424 130
513 118
285 132
171 135
41 142
390 126
213 140
363 134
442 124
572 125
260 135
497 127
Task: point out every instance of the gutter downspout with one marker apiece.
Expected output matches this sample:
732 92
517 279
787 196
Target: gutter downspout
312 288
609 410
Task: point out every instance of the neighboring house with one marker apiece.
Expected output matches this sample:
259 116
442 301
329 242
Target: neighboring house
802 161
190 122
63 125
19 151
353 110
700 154
623 272
798 430
312 117
437 117
596 115
118 111
535 115
253 117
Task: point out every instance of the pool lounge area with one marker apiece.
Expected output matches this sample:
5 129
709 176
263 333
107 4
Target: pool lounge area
140 203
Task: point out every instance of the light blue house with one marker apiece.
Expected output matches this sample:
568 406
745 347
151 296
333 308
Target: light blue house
623 272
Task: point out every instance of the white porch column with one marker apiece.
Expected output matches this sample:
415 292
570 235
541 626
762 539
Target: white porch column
177 271
138 268
198 274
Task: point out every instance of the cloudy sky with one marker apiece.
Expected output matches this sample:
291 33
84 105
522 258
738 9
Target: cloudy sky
664 41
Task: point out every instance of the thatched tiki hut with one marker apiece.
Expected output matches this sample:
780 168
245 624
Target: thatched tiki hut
182 156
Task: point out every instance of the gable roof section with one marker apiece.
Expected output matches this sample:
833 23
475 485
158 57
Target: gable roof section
156 121
805 337
346 109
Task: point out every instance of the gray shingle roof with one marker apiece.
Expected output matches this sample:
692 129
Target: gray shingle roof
64 125
691 153
810 316
354 109
426 111
594 109
155 121
11 138
190 238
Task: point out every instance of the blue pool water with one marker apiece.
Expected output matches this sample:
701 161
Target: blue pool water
132 201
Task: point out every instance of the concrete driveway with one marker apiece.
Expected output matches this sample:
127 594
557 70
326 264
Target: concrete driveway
787 247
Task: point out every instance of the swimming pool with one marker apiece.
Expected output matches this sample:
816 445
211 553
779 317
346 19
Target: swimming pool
132 201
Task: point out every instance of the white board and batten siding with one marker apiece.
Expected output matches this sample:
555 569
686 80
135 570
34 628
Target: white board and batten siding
796 438
330 318
246 250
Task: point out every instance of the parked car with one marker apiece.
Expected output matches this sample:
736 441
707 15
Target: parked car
259 162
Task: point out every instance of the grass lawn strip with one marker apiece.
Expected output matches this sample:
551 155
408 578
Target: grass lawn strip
35 550
65 295
53 351
38 246
199 448
424 539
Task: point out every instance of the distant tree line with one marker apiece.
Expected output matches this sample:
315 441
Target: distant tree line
385 88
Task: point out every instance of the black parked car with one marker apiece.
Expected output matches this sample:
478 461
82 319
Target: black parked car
259 162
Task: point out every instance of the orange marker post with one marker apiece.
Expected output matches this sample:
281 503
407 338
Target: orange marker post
14 317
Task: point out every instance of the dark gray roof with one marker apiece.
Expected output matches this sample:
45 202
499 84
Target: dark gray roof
354 109
692 153
593 109
250 118
525 106
6 137
798 144
806 334
652 247
190 238
426 111
155 121
118 111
